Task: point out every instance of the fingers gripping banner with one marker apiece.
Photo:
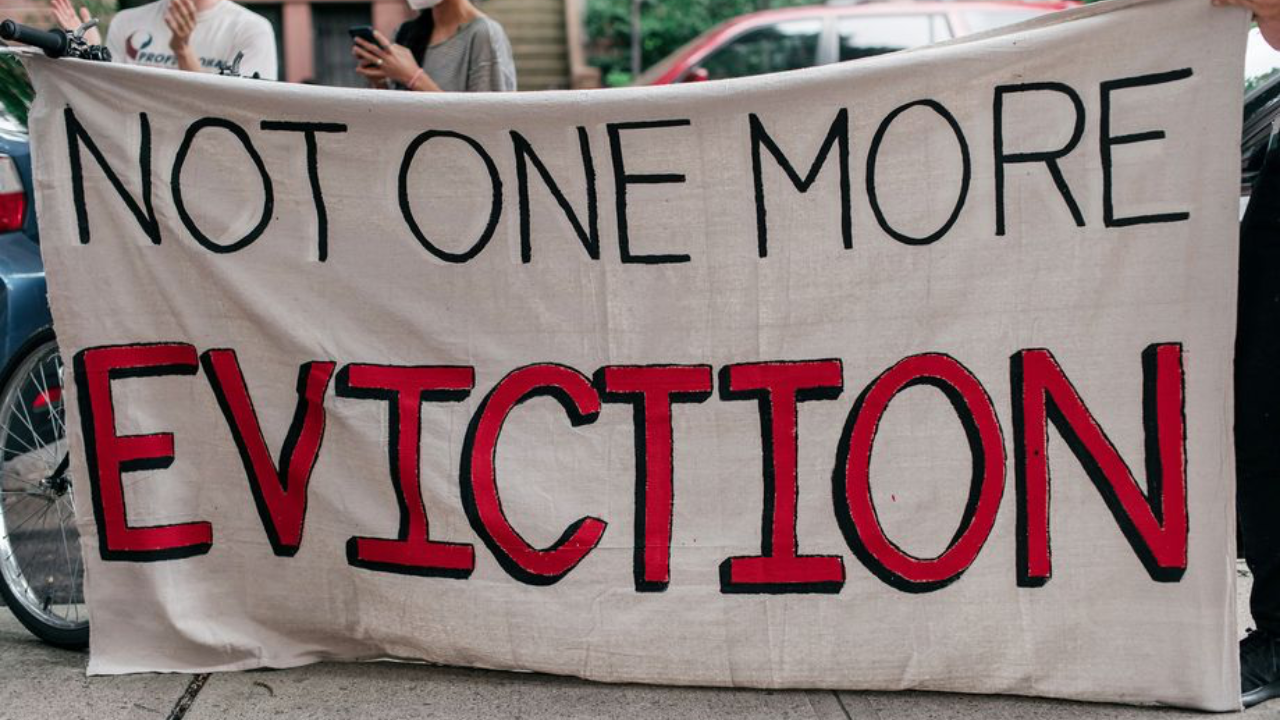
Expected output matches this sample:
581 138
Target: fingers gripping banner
907 373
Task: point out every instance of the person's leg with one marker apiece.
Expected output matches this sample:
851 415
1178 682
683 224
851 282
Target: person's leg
1257 430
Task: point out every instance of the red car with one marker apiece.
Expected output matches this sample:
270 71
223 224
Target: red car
800 37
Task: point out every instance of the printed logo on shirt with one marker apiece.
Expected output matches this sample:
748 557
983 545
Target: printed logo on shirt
135 47
132 48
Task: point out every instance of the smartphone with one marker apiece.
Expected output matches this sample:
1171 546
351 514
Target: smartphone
362 31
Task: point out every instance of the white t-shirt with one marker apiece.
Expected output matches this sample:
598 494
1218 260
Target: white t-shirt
140 36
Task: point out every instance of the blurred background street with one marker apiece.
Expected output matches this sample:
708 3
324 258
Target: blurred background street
585 43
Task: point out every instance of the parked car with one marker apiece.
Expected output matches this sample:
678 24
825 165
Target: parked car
801 37
41 573
1261 110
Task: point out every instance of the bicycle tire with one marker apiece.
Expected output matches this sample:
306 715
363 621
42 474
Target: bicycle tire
41 567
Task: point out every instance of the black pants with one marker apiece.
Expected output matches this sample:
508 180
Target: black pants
1257 394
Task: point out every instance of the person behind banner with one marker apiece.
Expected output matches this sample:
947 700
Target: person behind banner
191 35
450 47
1257 406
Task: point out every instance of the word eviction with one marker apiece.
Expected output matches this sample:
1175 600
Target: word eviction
1154 521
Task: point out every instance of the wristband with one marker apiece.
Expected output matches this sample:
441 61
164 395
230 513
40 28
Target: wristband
414 80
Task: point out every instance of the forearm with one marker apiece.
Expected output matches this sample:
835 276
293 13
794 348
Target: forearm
422 82
188 60
1270 29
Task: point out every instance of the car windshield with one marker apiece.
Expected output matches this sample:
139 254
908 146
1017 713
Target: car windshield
1261 106
983 20
1261 62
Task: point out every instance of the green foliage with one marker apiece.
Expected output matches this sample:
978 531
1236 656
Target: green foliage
15 88
617 78
665 25
16 92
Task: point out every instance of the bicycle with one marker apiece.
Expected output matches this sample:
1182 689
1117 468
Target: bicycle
41 566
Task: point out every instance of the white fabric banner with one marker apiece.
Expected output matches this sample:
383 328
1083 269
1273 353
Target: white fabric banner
907 373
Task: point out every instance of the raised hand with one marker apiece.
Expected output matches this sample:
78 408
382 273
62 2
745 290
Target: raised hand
181 19
68 19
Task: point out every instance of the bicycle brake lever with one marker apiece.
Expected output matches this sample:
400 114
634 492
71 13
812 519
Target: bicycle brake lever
86 27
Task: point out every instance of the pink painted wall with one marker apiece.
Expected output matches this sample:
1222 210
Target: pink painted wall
388 14
299 59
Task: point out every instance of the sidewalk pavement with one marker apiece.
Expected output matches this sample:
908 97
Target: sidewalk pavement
37 682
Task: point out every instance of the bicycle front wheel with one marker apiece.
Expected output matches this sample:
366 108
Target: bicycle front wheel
41 568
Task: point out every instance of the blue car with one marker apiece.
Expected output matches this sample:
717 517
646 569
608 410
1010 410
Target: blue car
41 571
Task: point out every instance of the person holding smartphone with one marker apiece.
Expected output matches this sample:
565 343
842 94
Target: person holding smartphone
450 47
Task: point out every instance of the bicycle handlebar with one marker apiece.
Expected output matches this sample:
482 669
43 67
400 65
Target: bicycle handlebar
54 43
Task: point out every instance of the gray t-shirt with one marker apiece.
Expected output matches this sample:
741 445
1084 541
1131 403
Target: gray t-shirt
476 59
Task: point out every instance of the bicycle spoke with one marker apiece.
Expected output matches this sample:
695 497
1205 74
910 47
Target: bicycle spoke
29 518
77 571
20 441
66 552
12 509
8 474
30 451
24 481
9 529
54 415
26 420
76 574
35 436
41 391
7 470
42 388
22 493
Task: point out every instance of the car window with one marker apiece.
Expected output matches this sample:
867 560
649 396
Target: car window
879 34
1261 62
941 28
983 20
1261 106
771 48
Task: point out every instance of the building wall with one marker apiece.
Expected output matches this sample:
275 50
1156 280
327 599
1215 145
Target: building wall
538 39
